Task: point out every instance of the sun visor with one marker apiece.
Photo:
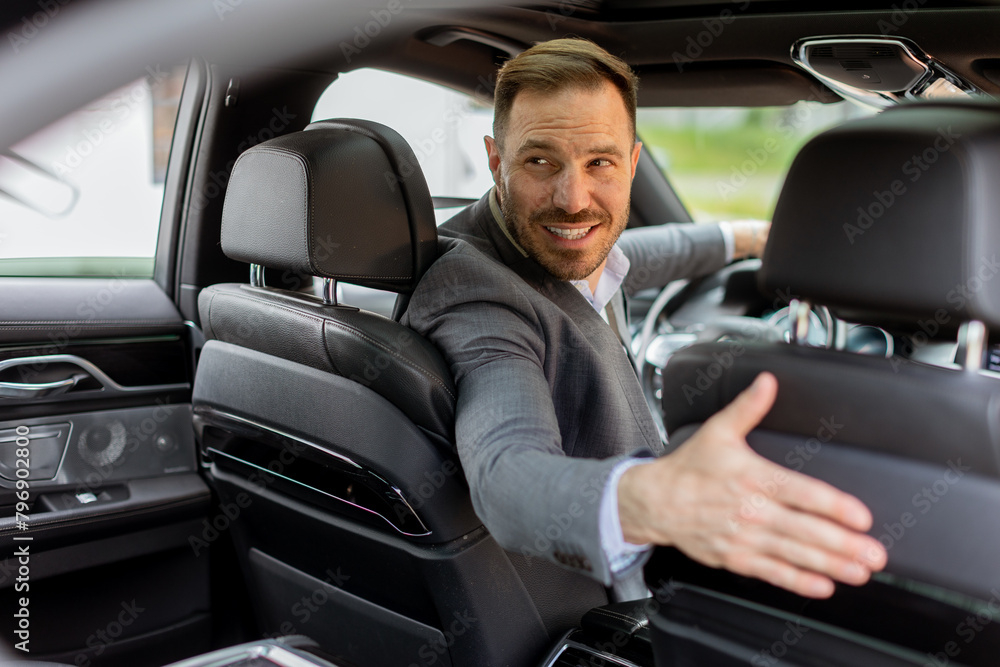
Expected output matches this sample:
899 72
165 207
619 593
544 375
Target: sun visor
895 218
718 84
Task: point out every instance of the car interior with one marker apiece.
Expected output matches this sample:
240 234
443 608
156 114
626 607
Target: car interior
235 454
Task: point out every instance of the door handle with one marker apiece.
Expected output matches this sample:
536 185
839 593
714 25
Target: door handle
85 370
37 390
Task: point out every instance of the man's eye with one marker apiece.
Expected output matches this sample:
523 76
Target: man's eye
537 160
601 162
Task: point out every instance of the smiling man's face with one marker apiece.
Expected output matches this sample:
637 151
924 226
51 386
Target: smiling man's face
564 176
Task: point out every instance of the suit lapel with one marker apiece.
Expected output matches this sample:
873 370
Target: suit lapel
618 319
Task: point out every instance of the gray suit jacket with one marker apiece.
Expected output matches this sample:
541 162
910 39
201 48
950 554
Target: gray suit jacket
548 402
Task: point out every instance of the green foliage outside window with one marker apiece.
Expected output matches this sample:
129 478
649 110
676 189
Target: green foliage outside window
730 163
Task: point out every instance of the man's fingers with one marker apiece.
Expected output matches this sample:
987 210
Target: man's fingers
811 511
832 538
813 544
782 575
817 497
747 409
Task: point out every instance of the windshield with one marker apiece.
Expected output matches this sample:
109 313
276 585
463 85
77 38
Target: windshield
729 163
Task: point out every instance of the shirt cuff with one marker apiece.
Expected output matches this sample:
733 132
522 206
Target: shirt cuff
621 555
728 240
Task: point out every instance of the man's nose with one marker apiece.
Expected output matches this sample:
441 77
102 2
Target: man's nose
571 192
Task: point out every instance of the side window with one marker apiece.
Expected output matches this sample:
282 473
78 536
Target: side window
445 128
729 163
82 197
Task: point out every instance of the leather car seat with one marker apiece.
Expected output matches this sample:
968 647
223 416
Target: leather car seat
894 221
328 430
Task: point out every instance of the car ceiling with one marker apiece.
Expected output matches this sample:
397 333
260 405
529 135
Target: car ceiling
748 62
97 45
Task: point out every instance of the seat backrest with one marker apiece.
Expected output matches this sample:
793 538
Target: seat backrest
888 221
292 206
333 427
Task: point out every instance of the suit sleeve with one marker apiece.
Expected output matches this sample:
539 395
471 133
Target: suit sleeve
534 499
660 254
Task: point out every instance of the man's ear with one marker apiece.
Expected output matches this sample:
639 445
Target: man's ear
635 156
493 152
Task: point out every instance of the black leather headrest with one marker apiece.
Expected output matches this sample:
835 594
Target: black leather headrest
342 199
895 217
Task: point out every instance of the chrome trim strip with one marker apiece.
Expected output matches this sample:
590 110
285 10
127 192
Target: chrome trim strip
202 409
605 658
974 334
39 389
323 450
217 452
281 655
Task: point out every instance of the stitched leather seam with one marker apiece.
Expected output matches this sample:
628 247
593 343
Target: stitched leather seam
222 225
309 207
297 313
209 331
355 275
360 334
372 341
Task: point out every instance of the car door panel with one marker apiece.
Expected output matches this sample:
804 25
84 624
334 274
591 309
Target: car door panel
99 484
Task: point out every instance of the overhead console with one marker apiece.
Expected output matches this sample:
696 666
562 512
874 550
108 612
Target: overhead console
879 71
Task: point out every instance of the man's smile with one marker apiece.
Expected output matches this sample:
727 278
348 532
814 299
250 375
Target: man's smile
570 234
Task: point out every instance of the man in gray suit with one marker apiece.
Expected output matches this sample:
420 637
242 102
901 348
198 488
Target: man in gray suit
552 428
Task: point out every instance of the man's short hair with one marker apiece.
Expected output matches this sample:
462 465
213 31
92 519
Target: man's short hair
558 64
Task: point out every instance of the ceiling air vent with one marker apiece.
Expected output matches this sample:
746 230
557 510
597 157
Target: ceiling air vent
847 51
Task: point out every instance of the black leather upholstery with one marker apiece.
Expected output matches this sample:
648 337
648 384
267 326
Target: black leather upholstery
365 347
344 199
354 415
895 217
918 444
894 405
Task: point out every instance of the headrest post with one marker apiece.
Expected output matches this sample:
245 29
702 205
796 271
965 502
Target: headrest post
798 316
330 292
257 275
972 337
840 335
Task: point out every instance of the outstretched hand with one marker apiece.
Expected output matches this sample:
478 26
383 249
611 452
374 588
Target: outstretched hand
723 505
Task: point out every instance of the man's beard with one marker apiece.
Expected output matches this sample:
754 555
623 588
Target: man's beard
564 264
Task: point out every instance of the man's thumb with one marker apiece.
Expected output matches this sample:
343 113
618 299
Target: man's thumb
747 409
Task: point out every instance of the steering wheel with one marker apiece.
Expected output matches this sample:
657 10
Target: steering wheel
659 338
